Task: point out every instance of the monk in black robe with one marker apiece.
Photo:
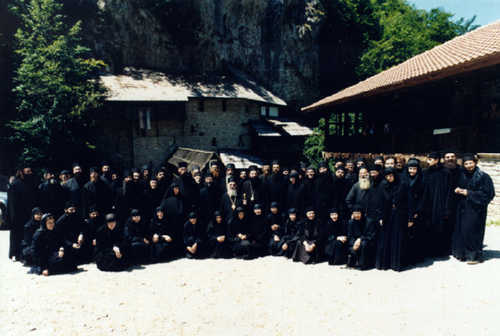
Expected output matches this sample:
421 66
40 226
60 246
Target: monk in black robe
306 249
52 196
340 187
137 233
335 237
186 186
294 196
254 189
361 240
22 196
476 191
259 232
175 210
435 207
276 186
231 200
74 189
276 224
452 172
163 246
29 230
193 236
310 193
72 229
208 199
93 223
51 250
291 234
219 244
324 191
415 200
153 197
239 234
112 247
97 193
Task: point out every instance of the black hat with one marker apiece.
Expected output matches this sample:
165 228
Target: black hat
46 216
294 174
135 212
231 179
275 162
413 162
323 164
240 209
36 210
217 213
333 210
92 208
274 204
197 173
192 215
75 164
135 170
388 171
292 210
105 163
174 185
302 165
159 209
434 155
469 157
213 163
309 208
372 166
357 207
182 164
110 217
230 166
257 206
378 157
69 204
311 168
65 172
341 168
94 170
253 167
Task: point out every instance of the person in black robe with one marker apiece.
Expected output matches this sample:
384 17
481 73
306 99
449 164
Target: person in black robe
137 234
259 232
219 244
291 233
294 197
452 171
242 177
276 186
231 200
72 229
52 196
132 194
393 250
186 186
194 237
163 179
51 250
476 191
324 190
351 175
306 249
340 187
310 194
435 206
239 234
97 193
153 197
335 237
175 210
93 223
74 189
163 246
106 173
111 248
361 240
254 189
276 224
22 196
208 199
30 228
415 197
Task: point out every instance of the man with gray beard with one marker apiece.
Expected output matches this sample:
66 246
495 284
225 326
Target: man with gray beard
231 199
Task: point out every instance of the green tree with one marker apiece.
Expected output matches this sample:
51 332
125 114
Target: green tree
56 85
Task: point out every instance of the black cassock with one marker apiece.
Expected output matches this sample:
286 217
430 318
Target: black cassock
189 190
259 235
97 194
309 232
46 245
218 249
228 204
175 211
472 209
276 188
324 192
22 199
136 233
275 245
241 248
340 187
255 192
334 249
163 250
152 200
291 236
132 197
209 202
310 194
105 258
435 207
294 197
363 258
52 197
415 233
27 243
70 226
392 246
74 191
194 233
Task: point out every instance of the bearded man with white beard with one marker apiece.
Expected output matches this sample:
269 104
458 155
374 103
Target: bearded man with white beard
232 199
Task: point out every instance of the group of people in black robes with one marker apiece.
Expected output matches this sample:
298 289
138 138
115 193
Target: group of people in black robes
384 213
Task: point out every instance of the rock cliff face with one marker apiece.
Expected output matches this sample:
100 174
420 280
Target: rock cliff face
260 37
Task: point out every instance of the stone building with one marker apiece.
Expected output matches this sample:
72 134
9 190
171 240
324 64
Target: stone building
148 114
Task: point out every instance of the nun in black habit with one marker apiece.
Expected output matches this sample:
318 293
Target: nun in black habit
276 225
415 198
306 249
361 240
476 191
51 250
72 228
218 240
335 237
259 232
29 230
175 209
137 233
194 237
163 246
291 233
239 234
111 247
294 195
52 196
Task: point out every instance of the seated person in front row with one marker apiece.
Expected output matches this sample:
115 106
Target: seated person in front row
239 234
219 243
193 237
275 222
111 246
306 249
361 241
162 237
29 230
136 231
51 250
335 239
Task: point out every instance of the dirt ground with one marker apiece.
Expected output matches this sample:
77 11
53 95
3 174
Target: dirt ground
266 296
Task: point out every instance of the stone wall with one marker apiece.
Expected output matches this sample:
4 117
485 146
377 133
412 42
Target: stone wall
490 163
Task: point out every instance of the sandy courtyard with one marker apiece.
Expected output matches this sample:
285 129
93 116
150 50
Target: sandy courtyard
267 296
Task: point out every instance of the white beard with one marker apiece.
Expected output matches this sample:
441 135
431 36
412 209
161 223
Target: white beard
232 193
364 183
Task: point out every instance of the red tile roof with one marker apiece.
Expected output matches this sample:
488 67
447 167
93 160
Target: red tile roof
474 50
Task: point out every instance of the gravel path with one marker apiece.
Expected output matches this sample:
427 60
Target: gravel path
267 296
